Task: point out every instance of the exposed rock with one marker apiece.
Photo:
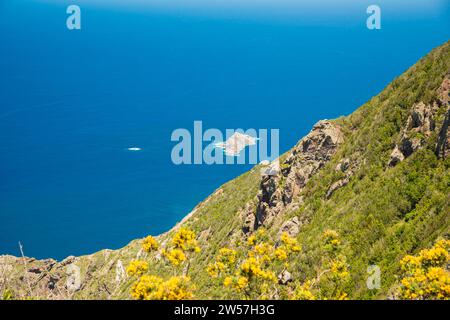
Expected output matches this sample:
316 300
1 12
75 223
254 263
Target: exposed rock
120 271
310 154
420 124
271 168
269 200
343 165
52 281
338 184
248 218
36 270
396 157
444 91
421 119
284 277
306 158
68 260
443 144
291 227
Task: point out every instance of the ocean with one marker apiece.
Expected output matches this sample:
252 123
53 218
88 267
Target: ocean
73 101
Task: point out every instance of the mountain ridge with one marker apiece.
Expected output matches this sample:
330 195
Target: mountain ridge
378 176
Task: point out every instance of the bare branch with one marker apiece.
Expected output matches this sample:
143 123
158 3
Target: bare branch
26 269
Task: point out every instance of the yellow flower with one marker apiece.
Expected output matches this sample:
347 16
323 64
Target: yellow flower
227 281
262 248
342 296
251 240
339 269
426 275
241 283
150 287
280 254
250 266
145 287
238 284
257 236
227 256
289 243
331 240
176 288
175 256
185 239
150 244
212 270
303 292
224 261
137 268
330 234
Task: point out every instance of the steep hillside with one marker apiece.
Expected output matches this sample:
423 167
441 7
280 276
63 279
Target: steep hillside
379 179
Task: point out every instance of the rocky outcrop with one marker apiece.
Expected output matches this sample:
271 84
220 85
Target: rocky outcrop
443 144
396 157
337 185
38 276
347 167
248 216
419 126
284 277
291 227
310 154
281 190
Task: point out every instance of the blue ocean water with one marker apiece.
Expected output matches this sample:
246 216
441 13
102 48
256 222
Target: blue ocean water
72 102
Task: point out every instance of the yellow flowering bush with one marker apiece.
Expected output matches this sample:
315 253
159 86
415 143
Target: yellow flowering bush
225 260
227 256
342 296
150 244
237 283
281 254
256 237
289 243
262 249
333 275
303 292
256 275
331 240
185 240
253 268
150 287
144 288
175 256
251 240
426 275
339 269
137 268
176 288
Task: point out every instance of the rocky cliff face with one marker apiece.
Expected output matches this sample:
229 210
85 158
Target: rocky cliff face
280 191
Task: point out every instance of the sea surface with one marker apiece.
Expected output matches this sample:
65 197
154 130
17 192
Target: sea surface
73 102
